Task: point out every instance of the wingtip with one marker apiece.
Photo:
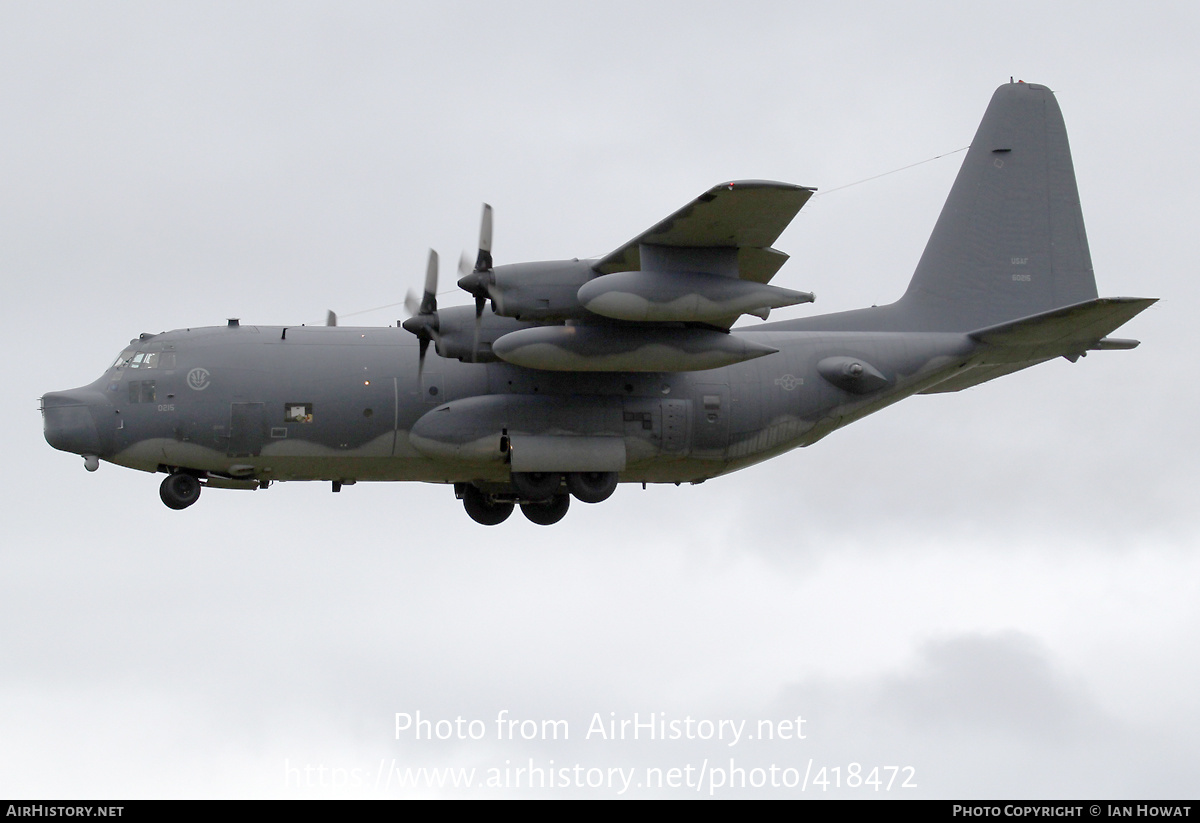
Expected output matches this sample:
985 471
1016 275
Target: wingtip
732 185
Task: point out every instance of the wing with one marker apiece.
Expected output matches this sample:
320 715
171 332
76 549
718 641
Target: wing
745 216
674 290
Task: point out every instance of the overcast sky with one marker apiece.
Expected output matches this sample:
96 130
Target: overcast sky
997 589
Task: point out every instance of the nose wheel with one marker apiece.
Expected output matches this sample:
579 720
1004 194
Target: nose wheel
179 490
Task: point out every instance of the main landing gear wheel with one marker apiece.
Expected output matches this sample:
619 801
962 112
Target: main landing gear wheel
481 510
592 487
179 490
548 512
536 485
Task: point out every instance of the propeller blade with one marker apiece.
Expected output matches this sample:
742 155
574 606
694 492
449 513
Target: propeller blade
423 319
479 302
477 280
411 304
429 299
483 262
496 296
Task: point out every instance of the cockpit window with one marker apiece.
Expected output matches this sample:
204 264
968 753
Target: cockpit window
123 359
145 360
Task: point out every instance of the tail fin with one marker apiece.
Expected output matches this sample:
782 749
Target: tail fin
1010 240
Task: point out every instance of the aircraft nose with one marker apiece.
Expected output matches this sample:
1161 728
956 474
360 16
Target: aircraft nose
68 421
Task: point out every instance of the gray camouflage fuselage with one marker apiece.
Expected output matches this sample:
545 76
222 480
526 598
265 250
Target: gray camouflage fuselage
361 386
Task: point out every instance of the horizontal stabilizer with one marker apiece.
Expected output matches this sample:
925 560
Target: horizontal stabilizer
1068 332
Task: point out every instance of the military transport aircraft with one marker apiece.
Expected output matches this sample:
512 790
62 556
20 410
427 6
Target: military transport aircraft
590 373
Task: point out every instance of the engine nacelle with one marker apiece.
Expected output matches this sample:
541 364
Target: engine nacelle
540 291
456 334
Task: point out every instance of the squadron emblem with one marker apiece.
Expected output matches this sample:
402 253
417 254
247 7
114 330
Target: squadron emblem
198 379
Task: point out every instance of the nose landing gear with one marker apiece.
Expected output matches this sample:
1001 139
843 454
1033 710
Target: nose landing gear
179 490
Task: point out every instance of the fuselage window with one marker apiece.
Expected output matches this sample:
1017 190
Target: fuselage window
297 412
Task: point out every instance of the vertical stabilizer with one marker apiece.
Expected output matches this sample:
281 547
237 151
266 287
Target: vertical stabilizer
1010 240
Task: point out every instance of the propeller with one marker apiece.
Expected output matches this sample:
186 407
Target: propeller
480 280
424 320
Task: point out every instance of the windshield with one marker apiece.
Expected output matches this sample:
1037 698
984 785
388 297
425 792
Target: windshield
134 359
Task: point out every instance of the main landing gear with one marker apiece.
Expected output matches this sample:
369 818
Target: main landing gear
482 508
547 512
540 495
592 487
179 490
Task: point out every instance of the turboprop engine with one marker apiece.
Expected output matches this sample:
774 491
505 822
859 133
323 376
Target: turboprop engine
461 338
537 292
